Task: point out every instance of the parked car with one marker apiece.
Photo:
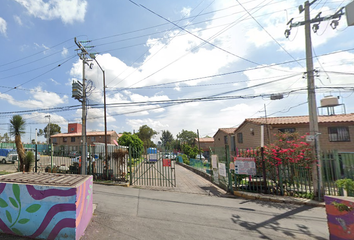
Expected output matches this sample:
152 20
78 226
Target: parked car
170 156
199 156
10 158
73 154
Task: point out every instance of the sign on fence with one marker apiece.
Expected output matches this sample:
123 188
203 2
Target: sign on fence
166 162
153 157
214 161
222 169
245 165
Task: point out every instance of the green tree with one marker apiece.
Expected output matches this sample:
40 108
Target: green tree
54 129
190 151
17 128
166 139
132 140
6 137
145 133
187 137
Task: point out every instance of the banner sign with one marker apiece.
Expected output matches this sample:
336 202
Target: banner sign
166 162
153 157
245 165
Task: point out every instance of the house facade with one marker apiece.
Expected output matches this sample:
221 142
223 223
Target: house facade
73 138
336 131
225 137
205 145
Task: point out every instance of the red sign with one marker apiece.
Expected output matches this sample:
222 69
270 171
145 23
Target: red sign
166 162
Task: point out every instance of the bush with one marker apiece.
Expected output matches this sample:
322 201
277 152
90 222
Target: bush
29 160
185 159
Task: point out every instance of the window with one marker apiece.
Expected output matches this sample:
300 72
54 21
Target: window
72 139
338 134
93 139
233 143
65 139
225 139
239 138
287 130
72 129
54 140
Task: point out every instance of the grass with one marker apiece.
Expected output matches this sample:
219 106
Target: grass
4 172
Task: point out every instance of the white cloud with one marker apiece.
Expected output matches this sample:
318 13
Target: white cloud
43 100
65 52
68 11
18 20
186 12
55 82
3 26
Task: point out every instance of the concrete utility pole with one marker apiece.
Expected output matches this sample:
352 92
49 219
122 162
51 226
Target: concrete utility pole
82 56
313 119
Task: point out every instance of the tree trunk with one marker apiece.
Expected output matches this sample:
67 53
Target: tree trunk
20 151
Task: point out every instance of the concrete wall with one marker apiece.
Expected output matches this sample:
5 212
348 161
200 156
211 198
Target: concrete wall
45 212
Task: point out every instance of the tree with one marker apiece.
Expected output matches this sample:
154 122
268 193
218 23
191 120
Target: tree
6 137
54 129
132 140
187 137
166 138
17 127
145 133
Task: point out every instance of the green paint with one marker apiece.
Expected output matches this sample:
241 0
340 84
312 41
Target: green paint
33 208
3 204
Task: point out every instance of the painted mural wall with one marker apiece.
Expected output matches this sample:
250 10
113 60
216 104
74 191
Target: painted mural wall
45 212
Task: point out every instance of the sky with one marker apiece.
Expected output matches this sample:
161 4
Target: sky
172 65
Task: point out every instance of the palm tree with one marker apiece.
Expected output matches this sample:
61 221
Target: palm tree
17 127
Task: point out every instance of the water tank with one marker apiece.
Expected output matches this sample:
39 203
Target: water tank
329 101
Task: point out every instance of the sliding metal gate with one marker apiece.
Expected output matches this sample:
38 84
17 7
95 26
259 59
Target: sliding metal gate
153 170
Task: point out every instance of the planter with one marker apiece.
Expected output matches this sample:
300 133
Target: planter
340 217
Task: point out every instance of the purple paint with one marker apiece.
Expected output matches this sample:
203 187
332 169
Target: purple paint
64 223
5 228
50 214
2 187
41 194
348 218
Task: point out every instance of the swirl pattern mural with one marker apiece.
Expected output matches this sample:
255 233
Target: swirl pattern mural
46 212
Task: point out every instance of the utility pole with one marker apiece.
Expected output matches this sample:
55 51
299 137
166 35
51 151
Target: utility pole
313 119
83 57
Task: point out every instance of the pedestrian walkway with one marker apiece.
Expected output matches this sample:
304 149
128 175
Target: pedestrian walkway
190 182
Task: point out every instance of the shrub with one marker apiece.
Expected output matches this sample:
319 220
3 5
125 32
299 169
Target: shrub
29 160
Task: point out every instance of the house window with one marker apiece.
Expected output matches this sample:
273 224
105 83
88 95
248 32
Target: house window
338 134
225 139
72 139
93 139
287 130
65 139
239 138
233 144
54 140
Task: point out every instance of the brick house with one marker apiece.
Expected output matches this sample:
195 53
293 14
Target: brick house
223 137
205 145
337 131
72 139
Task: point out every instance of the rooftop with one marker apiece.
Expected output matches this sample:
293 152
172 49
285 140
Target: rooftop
341 118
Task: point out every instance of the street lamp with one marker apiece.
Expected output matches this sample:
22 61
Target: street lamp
93 56
48 131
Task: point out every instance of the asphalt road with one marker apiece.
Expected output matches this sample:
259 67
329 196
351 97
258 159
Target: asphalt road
131 213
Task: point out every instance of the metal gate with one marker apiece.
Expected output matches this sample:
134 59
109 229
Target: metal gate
152 169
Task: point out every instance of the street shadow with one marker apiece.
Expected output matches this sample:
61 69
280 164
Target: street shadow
268 204
274 225
213 191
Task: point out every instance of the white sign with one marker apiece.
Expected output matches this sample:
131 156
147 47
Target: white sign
222 169
310 138
245 165
214 161
153 157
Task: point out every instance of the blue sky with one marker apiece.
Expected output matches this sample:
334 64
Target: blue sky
163 51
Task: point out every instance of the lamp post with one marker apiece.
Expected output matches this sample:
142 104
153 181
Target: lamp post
105 110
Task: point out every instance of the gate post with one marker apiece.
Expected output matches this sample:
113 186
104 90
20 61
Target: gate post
130 167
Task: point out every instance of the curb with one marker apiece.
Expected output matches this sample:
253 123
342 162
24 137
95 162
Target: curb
113 184
289 200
